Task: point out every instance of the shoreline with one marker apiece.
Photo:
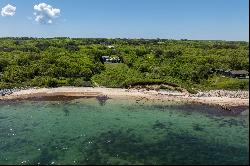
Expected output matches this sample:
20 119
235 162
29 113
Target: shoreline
222 101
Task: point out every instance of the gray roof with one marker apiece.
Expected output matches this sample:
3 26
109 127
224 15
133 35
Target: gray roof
105 57
239 72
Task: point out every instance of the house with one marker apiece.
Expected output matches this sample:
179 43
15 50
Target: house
105 58
239 74
114 60
218 71
227 73
230 73
111 59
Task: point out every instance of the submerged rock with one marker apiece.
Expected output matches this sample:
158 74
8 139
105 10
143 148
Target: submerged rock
102 99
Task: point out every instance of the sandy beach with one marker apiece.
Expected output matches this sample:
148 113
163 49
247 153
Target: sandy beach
223 101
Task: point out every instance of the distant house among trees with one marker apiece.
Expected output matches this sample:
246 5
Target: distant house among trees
230 73
218 71
238 74
109 59
105 58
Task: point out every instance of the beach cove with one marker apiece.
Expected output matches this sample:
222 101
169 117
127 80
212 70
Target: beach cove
223 99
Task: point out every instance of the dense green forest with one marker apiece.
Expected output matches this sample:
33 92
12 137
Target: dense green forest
51 62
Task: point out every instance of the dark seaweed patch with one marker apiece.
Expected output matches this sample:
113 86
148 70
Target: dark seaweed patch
35 124
3 117
159 107
161 125
198 127
127 148
46 157
66 112
17 143
233 122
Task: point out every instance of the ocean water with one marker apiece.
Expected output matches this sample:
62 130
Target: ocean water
90 131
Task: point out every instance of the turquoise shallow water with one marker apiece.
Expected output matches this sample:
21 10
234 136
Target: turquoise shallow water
85 131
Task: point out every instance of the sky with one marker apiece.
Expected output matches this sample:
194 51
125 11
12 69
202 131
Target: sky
166 19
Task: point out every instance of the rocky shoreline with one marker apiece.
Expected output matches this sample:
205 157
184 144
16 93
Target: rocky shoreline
4 92
222 98
212 93
223 93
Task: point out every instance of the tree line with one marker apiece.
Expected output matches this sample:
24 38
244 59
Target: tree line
52 62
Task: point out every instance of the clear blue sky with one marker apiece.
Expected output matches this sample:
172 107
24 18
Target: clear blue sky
171 19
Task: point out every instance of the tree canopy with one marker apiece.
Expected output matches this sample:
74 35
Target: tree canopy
78 62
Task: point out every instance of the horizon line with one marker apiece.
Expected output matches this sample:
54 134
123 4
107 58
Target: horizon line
123 38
